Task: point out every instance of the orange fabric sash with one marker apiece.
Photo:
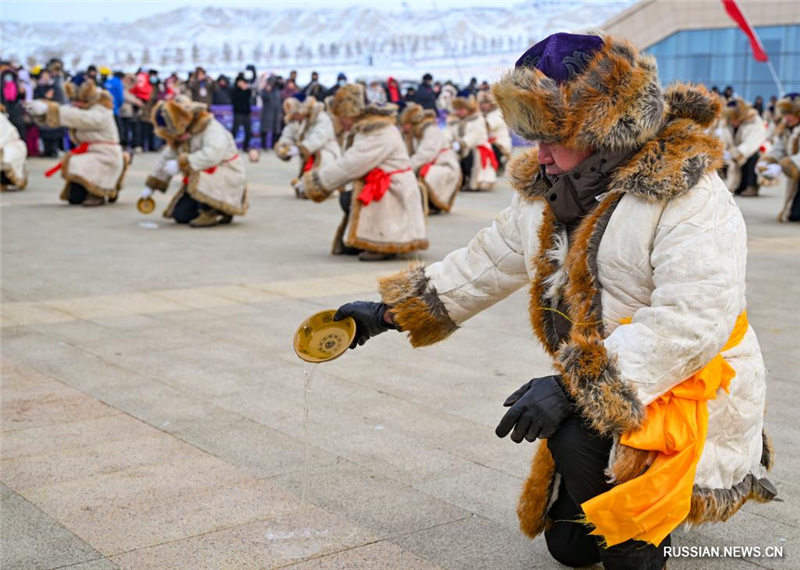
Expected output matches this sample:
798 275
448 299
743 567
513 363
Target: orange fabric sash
652 505
488 157
309 164
423 172
82 148
376 184
212 169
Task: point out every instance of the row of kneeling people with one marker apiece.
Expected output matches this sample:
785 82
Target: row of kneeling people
398 175
755 156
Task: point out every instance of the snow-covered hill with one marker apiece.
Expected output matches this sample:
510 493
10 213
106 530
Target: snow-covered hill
358 39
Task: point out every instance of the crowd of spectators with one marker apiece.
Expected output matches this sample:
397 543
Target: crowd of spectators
135 94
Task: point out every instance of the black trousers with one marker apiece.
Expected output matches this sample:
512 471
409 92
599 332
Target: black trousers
794 213
76 194
241 120
187 209
501 159
149 142
466 169
748 174
51 146
581 456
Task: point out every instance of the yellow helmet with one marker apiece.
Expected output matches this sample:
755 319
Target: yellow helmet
105 71
36 69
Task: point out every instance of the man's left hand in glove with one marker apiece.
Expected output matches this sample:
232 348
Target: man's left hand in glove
537 410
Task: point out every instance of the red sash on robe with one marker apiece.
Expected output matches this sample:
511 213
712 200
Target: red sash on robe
488 157
82 148
212 169
376 184
423 172
309 163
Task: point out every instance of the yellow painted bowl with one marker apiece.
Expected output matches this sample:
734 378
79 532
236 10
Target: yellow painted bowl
146 205
320 338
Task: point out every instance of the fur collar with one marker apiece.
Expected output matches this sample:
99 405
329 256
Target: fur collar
420 127
371 122
666 166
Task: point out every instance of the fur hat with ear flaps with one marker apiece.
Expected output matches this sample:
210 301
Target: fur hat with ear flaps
789 104
307 106
468 103
349 102
291 105
486 97
737 110
88 93
174 118
413 114
584 92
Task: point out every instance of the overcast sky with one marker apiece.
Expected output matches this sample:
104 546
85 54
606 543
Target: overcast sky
125 11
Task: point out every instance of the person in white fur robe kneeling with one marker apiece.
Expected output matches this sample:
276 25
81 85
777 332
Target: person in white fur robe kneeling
743 133
314 140
13 156
635 256
310 135
469 137
204 155
499 134
784 157
384 213
94 170
432 158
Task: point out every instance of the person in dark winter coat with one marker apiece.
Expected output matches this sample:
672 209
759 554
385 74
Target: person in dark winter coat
341 79
48 90
222 96
202 87
12 96
425 95
315 88
271 112
241 98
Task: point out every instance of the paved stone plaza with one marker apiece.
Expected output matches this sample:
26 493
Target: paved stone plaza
152 403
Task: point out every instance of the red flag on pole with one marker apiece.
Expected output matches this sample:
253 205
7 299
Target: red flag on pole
736 14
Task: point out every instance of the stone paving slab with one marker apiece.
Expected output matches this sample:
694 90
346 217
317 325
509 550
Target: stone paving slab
263 544
31 540
379 503
371 557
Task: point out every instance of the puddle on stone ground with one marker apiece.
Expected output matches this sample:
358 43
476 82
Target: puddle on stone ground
308 373
297 536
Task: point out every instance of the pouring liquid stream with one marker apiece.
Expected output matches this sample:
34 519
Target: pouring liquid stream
308 372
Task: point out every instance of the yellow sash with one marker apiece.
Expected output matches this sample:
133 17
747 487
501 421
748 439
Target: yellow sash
652 505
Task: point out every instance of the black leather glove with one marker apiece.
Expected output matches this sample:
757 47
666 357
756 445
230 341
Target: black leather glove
537 409
368 317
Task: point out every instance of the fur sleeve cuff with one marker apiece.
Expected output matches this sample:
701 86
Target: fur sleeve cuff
52 117
738 157
603 398
790 168
416 307
304 152
312 185
156 183
183 163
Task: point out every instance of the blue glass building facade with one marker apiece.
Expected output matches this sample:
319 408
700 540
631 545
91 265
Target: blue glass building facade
723 57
